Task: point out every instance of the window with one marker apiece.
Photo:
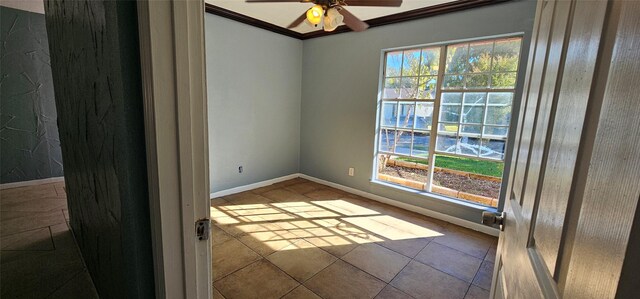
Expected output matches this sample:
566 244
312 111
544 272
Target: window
471 96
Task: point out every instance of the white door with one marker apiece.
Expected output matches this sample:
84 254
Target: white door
573 189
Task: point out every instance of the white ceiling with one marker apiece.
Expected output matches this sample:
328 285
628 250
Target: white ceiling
282 14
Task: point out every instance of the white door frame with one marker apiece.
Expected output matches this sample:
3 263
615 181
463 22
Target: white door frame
174 87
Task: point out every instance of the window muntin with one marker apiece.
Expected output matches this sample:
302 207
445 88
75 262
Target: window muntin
473 93
409 92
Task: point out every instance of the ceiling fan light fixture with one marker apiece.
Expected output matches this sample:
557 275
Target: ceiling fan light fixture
332 19
314 14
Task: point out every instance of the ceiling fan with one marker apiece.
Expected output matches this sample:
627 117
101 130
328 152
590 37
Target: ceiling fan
330 13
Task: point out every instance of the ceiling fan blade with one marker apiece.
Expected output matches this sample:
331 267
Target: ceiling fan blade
390 3
298 21
352 21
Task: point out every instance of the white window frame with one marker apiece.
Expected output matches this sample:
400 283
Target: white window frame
433 133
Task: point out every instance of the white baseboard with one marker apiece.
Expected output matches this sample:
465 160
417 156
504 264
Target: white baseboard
31 183
253 186
444 217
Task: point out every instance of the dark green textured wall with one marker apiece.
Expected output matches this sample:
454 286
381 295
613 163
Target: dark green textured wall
29 143
96 74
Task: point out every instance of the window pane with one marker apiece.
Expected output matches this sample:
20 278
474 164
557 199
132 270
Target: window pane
409 88
505 55
492 148
472 114
391 88
389 115
448 128
446 144
503 80
394 62
474 98
498 115
411 63
451 97
457 58
430 61
421 144
453 81
406 114
477 81
424 116
403 143
471 129
427 87
500 98
450 113
480 56
387 140
496 131
469 146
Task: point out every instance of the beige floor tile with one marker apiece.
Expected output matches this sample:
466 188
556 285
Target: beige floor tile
301 293
217 295
80 286
65 212
241 228
475 292
218 235
472 245
389 292
37 239
377 261
37 204
422 281
301 260
491 255
303 188
15 222
451 261
35 274
264 189
342 280
324 194
266 243
218 201
230 256
246 198
60 189
258 280
283 195
26 193
343 207
484 276
406 247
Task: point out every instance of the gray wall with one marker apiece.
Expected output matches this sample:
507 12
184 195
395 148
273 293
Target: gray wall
29 143
340 86
254 89
96 73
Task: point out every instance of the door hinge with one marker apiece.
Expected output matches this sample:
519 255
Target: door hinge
493 219
203 227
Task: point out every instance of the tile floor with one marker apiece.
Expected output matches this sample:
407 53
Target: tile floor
300 239
39 257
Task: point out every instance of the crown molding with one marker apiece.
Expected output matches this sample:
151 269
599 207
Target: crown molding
232 15
415 14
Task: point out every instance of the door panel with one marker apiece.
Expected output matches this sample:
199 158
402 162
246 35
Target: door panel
573 189
546 108
564 143
531 98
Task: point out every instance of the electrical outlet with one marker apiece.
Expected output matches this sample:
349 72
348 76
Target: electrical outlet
240 169
352 171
